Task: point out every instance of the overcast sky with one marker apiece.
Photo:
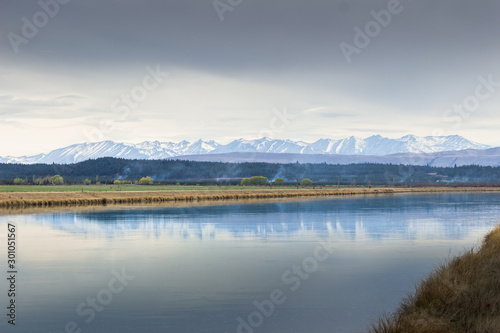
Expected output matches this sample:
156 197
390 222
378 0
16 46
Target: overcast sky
295 69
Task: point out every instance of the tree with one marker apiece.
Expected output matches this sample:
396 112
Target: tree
255 180
117 182
57 180
18 181
42 181
258 180
279 181
306 182
146 181
87 182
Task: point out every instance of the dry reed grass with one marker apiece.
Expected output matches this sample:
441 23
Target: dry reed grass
57 199
460 296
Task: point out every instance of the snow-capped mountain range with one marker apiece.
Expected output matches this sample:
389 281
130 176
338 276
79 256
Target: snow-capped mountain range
373 145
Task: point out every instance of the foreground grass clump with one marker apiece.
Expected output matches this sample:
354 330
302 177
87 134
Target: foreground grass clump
460 296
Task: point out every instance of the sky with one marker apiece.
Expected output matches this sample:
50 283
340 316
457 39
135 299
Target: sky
77 71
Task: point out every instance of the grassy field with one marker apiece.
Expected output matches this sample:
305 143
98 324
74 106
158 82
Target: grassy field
108 188
151 194
158 188
458 297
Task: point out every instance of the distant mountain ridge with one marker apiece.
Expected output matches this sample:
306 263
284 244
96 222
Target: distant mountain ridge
482 157
372 146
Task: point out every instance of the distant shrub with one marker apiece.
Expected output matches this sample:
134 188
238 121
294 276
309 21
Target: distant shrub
258 180
19 181
146 181
279 181
43 181
87 182
255 180
306 182
117 182
57 180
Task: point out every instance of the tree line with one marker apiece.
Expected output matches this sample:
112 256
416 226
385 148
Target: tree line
108 170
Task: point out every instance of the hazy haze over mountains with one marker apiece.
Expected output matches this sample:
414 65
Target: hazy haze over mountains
372 146
482 157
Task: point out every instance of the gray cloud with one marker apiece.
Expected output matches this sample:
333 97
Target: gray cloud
328 112
426 59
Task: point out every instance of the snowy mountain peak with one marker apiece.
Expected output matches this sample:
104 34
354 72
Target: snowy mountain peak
373 145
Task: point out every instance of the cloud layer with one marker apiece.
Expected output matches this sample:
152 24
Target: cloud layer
227 79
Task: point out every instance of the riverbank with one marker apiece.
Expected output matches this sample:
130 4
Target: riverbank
92 198
460 296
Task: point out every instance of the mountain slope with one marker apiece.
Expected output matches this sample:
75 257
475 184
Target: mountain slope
487 157
373 146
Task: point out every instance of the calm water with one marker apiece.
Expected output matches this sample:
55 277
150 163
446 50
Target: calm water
312 266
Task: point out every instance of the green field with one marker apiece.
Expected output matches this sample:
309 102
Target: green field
91 188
